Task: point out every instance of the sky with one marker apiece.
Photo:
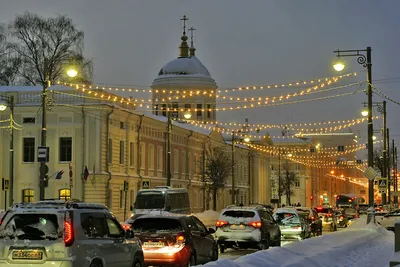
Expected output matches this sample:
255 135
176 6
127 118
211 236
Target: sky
254 42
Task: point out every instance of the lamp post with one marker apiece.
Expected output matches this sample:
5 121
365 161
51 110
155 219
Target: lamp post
71 72
169 126
10 103
233 168
381 108
364 60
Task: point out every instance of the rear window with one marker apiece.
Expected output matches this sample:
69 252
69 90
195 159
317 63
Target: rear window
323 210
304 211
239 213
286 218
32 226
157 225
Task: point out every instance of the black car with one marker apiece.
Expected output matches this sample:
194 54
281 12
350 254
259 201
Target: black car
313 218
175 239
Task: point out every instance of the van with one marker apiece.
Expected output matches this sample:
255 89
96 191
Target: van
162 198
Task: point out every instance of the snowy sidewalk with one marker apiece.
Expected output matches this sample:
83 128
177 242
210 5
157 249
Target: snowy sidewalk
358 245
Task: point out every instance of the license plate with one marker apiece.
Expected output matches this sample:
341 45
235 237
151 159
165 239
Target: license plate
27 255
153 244
237 227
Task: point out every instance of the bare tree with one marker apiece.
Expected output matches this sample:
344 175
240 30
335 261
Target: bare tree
288 181
9 63
56 41
216 169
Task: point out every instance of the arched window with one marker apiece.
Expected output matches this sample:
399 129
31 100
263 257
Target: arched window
28 195
64 193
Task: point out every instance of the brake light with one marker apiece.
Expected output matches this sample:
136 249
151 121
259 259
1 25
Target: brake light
329 214
180 238
68 234
255 224
126 227
312 218
221 223
341 217
354 216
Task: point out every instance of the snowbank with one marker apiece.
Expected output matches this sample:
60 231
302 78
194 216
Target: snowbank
358 245
209 217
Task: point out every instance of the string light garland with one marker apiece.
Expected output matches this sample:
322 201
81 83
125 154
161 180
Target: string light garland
259 100
139 106
212 91
259 127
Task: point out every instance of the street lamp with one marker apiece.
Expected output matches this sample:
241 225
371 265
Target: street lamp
187 115
365 60
364 112
47 83
339 65
8 101
247 139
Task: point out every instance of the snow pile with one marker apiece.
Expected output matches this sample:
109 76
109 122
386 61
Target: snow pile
358 245
209 217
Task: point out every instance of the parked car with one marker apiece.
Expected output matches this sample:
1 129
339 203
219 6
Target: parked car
293 225
63 233
389 219
351 213
328 217
175 239
247 227
313 218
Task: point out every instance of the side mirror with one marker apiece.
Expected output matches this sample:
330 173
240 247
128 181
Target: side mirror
129 234
211 230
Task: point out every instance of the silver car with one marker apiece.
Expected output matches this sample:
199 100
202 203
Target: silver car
67 234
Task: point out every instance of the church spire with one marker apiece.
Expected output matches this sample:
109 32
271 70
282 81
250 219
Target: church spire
184 48
192 50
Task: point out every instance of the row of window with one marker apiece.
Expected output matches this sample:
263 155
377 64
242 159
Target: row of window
29 149
162 109
151 162
28 195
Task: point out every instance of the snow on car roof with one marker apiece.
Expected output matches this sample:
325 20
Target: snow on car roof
287 210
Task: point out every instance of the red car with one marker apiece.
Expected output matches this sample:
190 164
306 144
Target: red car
175 239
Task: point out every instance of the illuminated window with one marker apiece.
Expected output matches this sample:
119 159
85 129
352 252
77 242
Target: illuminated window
64 194
28 195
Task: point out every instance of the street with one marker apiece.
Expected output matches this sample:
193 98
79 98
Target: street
233 254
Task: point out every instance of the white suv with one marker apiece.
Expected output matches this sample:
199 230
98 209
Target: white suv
67 234
247 227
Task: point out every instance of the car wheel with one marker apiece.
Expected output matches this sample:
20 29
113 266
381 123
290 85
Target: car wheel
192 261
96 263
221 248
264 244
214 255
138 263
278 242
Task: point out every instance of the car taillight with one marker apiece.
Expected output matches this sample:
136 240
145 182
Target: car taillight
68 233
180 239
126 227
312 218
341 217
255 224
354 216
221 223
329 214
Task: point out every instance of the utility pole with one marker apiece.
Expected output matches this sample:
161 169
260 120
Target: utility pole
233 168
384 155
395 171
279 179
11 171
46 85
169 148
387 165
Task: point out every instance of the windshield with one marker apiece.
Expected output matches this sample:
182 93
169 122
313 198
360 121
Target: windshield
32 226
156 225
150 201
286 218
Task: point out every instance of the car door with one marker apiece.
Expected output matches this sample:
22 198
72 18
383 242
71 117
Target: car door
206 240
95 228
121 249
273 227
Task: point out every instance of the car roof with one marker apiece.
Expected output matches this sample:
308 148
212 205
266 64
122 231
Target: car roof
57 204
166 215
288 210
253 208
